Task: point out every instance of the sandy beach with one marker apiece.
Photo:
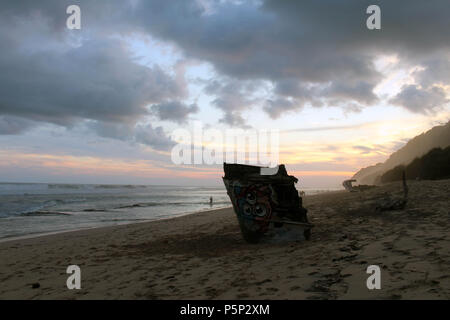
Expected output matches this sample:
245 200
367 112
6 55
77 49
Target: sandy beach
203 255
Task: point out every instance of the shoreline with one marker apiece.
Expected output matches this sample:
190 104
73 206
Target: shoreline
51 233
203 255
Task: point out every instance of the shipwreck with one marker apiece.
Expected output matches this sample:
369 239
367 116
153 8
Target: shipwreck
262 199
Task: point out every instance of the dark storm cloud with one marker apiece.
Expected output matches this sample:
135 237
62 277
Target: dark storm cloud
324 43
96 81
49 75
313 53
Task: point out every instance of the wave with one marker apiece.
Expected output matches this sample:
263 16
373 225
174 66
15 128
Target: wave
93 186
154 204
44 213
122 220
112 186
65 186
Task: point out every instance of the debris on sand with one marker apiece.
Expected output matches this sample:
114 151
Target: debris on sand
348 184
389 203
362 187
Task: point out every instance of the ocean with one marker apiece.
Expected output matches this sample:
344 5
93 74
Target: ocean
34 208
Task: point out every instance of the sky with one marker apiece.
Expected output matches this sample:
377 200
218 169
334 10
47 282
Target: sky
101 104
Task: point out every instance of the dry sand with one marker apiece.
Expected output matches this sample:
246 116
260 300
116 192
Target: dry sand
203 256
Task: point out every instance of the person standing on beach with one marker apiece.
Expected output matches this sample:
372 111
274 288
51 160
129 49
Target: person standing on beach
210 201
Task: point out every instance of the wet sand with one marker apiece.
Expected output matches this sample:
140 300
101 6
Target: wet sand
203 256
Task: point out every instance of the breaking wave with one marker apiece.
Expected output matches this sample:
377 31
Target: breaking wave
44 213
154 204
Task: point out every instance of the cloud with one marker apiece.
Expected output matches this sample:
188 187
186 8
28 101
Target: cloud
112 130
232 97
272 43
174 111
140 133
363 149
234 119
329 50
96 81
12 125
330 128
420 100
154 137
309 56
51 76
276 108
435 70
